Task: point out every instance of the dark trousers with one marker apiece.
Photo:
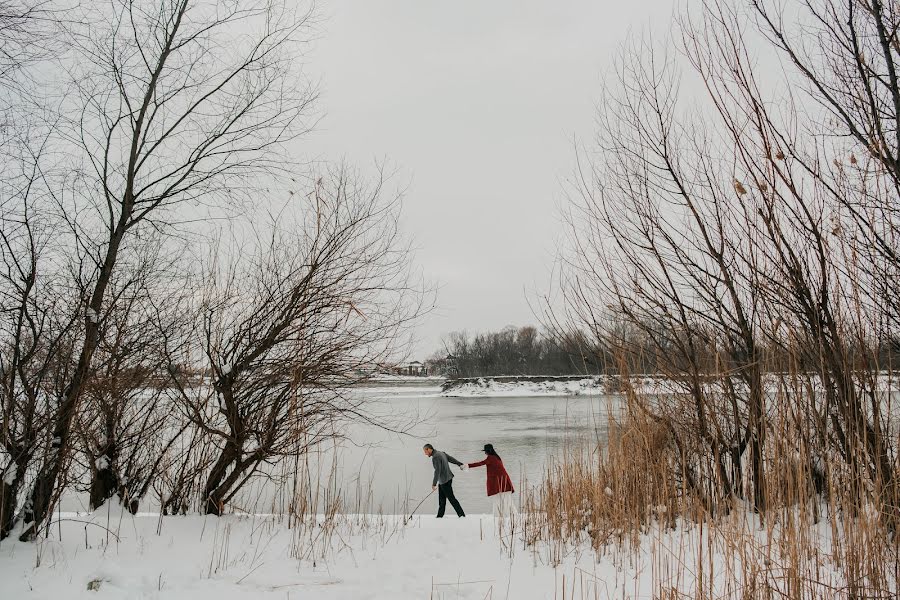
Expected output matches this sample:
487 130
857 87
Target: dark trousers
445 492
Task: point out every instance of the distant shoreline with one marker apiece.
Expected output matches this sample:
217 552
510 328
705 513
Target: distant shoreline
461 381
402 381
525 385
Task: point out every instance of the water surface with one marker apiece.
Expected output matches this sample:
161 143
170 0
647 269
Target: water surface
525 431
376 470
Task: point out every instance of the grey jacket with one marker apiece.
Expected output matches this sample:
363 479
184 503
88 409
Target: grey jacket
441 462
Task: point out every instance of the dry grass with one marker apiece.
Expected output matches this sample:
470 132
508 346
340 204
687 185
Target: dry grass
600 492
630 502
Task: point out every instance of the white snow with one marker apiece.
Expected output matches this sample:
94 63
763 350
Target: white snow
607 385
492 388
102 462
251 557
92 315
110 554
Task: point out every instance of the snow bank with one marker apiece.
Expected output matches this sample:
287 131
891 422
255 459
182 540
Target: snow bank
772 383
611 385
114 555
230 558
549 387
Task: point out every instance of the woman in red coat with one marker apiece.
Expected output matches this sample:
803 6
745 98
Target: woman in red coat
499 485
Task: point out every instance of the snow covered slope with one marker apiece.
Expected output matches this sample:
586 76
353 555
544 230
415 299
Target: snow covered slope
549 386
112 555
230 558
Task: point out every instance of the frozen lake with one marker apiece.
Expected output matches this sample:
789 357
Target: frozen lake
523 430
382 471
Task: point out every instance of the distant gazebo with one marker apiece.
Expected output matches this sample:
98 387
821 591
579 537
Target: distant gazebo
412 369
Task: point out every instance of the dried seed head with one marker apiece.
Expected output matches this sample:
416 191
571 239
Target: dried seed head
739 188
853 160
779 155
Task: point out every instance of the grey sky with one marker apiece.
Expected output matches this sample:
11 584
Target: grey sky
476 103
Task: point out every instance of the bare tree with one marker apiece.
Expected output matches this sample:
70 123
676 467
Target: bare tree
126 424
287 325
657 245
28 31
845 57
37 329
721 235
801 192
517 351
174 103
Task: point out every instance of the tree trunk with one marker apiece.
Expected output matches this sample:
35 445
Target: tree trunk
39 503
8 494
104 481
213 492
757 439
216 497
47 479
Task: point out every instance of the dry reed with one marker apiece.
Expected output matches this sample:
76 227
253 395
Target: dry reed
634 500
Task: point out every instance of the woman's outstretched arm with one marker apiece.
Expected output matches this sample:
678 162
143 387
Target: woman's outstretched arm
478 464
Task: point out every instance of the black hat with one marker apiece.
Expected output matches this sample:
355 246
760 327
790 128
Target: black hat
489 448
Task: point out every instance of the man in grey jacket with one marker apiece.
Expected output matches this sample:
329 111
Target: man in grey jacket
443 479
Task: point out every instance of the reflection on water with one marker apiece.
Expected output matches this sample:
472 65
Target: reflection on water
524 431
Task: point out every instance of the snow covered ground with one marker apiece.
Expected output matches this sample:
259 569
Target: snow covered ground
493 388
604 385
112 555
259 557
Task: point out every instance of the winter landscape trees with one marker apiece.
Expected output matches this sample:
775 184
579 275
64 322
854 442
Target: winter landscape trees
747 231
184 302
154 123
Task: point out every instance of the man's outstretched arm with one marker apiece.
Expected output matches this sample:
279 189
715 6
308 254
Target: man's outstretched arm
453 460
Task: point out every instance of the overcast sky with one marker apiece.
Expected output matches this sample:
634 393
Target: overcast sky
477 104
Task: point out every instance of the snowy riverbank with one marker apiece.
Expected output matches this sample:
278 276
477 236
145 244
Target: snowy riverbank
526 386
107 555
208 558
519 387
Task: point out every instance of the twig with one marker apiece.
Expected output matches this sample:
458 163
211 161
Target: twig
409 518
108 530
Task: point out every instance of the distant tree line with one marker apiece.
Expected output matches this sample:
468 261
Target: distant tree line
646 350
516 351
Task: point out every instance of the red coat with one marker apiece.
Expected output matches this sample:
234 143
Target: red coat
497 478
